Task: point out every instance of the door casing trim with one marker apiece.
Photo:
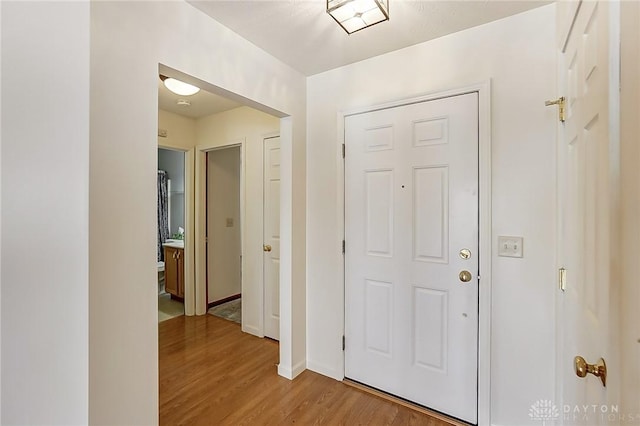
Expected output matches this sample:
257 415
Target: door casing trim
485 230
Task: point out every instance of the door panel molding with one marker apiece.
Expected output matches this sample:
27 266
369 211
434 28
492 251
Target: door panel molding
271 237
485 230
588 211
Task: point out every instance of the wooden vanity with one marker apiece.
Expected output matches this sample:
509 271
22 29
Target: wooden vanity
174 269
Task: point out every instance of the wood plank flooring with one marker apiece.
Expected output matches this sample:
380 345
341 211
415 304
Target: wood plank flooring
213 374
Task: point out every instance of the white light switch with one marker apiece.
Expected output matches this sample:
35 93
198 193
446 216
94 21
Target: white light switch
510 246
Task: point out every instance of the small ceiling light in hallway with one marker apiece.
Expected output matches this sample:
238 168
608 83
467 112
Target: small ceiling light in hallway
355 15
179 87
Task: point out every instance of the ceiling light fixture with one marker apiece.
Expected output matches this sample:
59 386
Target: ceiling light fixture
179 87
355 15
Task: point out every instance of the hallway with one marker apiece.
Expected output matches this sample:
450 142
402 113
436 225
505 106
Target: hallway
213 374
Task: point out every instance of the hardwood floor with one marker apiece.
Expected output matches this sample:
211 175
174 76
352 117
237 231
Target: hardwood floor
213 374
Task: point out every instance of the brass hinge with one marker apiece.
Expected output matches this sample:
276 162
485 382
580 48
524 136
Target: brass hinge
344 148
561 107
343 342
562 279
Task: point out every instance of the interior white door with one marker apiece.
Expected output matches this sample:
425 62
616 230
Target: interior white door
271 246
411 207
585 214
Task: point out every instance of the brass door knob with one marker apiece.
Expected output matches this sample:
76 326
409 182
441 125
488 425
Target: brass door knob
465 276
266 247
599 369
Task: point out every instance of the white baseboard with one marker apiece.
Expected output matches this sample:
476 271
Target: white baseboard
292 373
252 330
325 370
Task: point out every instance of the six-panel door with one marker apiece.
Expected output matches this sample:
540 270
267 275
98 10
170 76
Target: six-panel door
411 206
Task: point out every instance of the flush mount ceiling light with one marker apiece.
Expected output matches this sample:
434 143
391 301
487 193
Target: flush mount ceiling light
179 87
355 15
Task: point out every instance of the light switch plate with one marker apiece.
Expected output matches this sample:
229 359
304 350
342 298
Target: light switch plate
509 246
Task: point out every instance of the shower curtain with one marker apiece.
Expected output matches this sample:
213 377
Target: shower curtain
163 212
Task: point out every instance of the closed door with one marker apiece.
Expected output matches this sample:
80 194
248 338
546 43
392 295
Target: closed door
585 214
411 260
271 244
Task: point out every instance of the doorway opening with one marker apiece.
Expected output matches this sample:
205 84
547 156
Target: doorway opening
224 233
191 123
224 252
171 233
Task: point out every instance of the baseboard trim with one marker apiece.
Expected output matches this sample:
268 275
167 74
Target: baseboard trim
324 370
292 373
400 401
252 330
225 300
299 368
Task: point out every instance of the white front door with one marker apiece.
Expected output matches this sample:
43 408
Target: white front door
585 214
271 243
411 225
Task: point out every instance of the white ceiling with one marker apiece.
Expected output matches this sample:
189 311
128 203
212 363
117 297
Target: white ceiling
203 103
301 34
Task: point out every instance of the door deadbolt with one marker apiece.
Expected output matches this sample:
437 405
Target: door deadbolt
465 276
465 253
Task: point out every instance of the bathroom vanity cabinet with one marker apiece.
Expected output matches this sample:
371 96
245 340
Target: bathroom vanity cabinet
174 271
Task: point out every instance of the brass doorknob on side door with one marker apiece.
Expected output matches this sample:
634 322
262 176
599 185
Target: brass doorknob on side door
599 369
465 276
266 247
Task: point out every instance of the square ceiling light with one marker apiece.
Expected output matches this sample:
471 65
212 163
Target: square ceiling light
355 15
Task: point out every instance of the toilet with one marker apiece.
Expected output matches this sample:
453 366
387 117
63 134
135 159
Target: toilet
160 277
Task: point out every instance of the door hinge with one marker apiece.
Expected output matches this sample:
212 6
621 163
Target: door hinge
343 342
343 247
561 107
562 279
344 148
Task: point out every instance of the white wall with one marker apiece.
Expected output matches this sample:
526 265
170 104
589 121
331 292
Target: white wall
249 126
181 131
130 39
224 238
518 55
173 163
45 181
